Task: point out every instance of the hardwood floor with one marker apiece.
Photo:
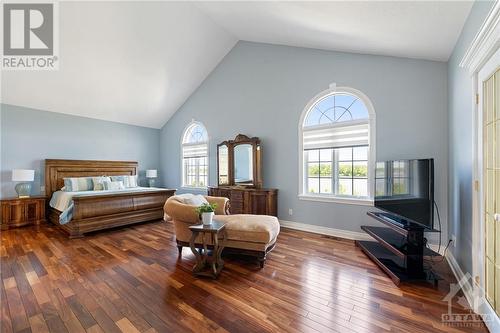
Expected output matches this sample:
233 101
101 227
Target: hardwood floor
131 280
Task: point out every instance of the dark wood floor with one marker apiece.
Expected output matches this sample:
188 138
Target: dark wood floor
131 280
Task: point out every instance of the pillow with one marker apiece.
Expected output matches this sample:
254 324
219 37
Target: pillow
195 200
111 185
99 182
78 184
128 181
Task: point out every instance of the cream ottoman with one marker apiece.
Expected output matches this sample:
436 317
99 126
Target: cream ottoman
250 234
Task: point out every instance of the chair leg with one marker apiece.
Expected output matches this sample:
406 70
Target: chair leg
179 247
262 261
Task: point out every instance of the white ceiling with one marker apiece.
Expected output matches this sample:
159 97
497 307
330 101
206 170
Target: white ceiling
412 29
128 62
138 62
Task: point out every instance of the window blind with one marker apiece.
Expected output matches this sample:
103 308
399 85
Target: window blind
348 135
195 150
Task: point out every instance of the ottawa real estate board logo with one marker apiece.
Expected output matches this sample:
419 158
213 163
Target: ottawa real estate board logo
30 36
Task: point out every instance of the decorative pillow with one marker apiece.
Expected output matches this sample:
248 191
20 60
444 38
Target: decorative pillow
194 200
78 184
113 185
99 182
128 181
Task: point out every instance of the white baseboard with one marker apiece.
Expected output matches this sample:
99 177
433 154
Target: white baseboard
353 235
459 275
467 288
347 234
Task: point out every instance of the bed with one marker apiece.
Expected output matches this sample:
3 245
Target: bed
99 211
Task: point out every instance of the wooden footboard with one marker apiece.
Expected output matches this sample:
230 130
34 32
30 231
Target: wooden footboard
92 213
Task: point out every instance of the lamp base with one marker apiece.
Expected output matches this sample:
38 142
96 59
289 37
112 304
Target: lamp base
23 190
151 182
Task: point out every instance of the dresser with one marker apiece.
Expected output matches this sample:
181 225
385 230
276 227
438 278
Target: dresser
17 212
258 201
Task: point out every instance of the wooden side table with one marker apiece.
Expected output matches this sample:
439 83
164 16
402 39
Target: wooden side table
203 259
17 212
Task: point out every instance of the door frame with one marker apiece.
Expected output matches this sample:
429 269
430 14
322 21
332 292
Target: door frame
479 58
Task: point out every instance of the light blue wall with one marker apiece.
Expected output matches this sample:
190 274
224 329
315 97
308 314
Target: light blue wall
460 139
29 136
261 90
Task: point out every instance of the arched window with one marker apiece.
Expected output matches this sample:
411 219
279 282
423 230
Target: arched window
336 133
195 156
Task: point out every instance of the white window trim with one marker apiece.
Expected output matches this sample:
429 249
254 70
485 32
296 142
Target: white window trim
187 187
371 151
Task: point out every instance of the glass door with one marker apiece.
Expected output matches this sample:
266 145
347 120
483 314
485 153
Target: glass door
491 173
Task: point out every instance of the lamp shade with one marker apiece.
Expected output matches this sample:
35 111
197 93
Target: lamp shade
151 173
22 175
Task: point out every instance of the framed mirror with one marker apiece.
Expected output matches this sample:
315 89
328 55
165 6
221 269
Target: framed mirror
223 164
239 162
243 164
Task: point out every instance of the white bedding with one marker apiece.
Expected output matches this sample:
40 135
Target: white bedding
63 201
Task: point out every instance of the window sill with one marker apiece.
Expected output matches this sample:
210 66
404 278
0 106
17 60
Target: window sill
325 198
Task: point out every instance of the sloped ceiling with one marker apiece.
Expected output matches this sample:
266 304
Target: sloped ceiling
412 29
138 62
129 62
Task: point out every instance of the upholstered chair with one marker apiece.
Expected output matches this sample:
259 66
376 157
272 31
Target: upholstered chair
183 215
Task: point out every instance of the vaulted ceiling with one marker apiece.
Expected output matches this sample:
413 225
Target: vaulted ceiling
138 62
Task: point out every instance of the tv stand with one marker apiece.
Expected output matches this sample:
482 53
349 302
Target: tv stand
399 249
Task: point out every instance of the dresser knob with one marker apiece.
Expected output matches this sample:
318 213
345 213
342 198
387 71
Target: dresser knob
496 217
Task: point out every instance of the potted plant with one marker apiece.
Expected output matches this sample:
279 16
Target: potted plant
206 211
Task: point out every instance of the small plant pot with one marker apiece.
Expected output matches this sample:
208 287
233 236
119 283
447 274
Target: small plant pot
207 218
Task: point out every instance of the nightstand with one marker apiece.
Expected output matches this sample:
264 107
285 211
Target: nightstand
17 212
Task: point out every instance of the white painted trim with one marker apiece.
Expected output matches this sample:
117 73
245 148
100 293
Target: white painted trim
353 235
468 290
459 274
336 199
372 138
347 234
188 126
485 43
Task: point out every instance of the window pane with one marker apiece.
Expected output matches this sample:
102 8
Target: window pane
325 155
360 187
313 169
345 154
345 169
360 169
326 185
313 155
345 187
360 153
326 169
313 185
336 108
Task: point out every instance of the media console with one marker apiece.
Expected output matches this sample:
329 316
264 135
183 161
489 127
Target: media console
399 250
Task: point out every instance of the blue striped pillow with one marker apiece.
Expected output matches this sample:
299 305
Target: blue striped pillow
128 181
78 184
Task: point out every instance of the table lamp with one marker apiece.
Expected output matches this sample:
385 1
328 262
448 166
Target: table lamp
26 177
151 175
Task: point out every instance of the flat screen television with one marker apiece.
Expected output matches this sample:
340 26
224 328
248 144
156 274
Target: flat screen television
404 189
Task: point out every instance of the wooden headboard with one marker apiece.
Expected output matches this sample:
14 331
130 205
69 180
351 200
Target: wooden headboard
56 170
